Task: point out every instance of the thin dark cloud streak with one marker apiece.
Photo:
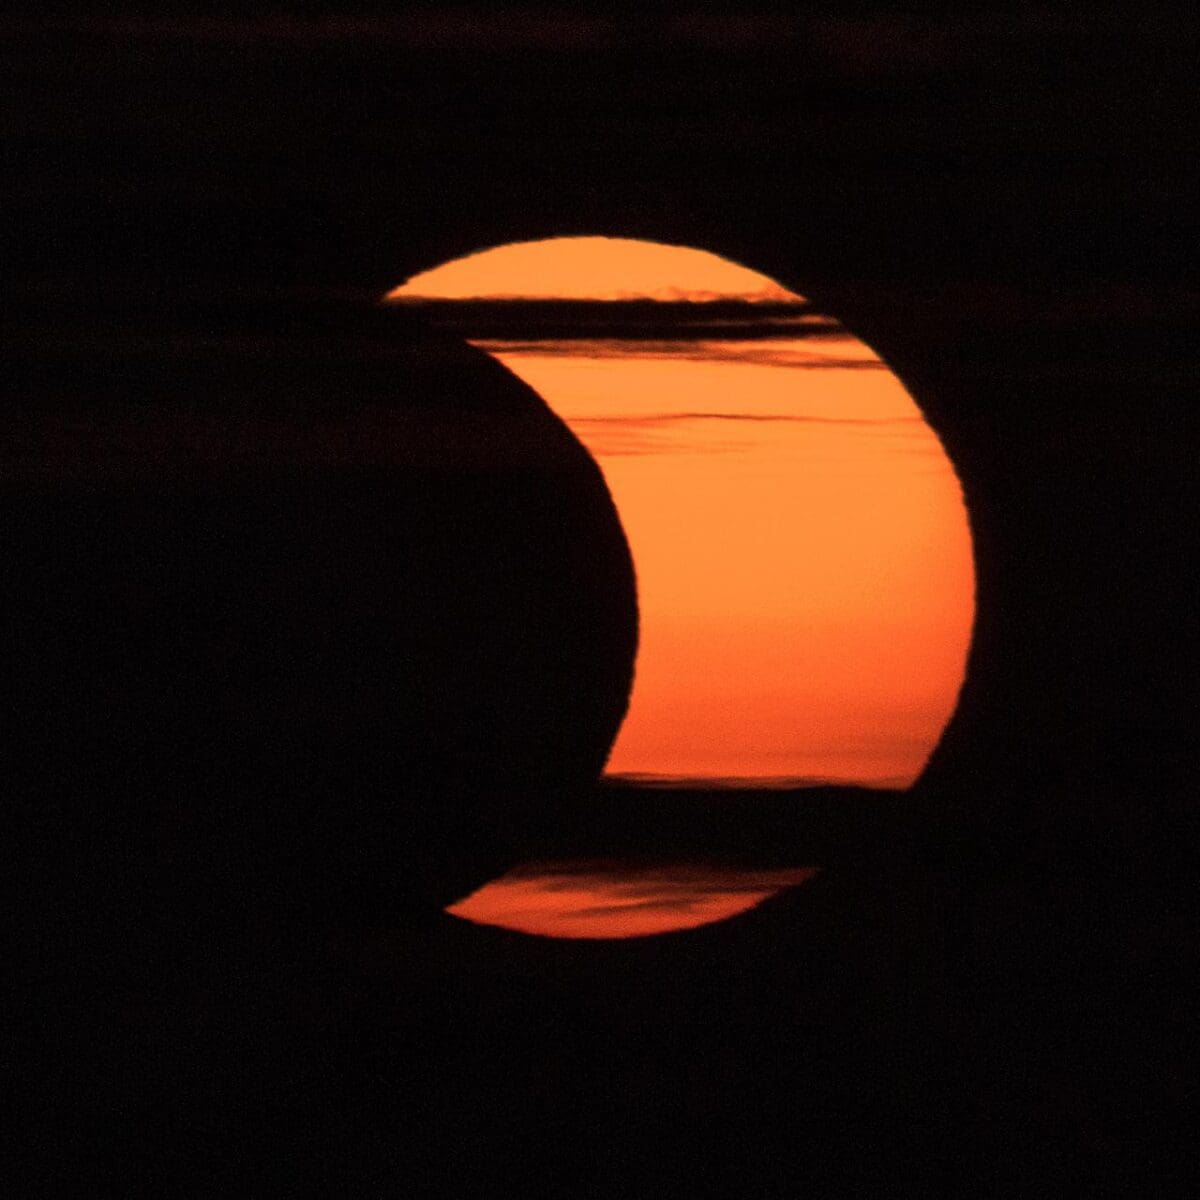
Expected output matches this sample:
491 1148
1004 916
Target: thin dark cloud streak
708 350
644 781
518 321
653 435
799 419
649 309
666 332
616 329
664 904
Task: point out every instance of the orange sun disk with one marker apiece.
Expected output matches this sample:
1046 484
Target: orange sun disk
803 557
802 549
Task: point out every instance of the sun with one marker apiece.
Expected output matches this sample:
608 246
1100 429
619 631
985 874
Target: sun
801 543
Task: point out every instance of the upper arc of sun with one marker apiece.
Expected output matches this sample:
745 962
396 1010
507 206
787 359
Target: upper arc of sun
594 268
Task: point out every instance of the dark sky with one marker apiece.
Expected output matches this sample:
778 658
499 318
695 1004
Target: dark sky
1002 205
999 202
330 146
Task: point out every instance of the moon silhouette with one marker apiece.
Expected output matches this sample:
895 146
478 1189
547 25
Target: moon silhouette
304 604
802 549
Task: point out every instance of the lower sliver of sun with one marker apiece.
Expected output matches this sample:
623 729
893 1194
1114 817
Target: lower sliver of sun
611 900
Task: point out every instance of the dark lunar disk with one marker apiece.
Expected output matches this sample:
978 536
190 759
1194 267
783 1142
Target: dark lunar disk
308 611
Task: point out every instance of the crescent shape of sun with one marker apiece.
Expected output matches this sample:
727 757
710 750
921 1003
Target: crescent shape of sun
801 544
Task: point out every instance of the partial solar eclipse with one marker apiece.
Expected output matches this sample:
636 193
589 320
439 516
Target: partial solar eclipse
803 556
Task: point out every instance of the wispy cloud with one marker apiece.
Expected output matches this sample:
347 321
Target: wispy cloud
642 779
798 419
789 352
624 434
683 316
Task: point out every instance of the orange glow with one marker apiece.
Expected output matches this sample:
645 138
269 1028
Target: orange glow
803 558
609 900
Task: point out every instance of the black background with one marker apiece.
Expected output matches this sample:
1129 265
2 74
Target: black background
985 996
